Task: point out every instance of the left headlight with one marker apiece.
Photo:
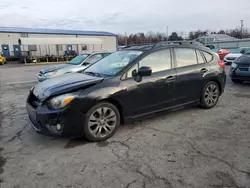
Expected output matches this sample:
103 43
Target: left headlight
234 65
61 101
50 74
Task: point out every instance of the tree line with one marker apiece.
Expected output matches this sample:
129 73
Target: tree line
151 37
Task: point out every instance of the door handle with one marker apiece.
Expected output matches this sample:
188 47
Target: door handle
204 70
170 78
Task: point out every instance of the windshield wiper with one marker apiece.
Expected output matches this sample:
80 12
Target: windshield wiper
92 74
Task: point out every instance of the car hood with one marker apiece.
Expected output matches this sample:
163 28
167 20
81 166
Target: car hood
54 68
63 84
233 55
69 69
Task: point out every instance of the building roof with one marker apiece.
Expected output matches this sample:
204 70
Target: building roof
218 37
53 31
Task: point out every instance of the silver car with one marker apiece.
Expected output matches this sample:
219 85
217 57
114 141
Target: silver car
79 63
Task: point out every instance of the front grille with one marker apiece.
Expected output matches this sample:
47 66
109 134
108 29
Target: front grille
33 100
244 67
231 58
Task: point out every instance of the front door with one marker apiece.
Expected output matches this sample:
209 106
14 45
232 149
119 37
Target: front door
5 50
147 94
191 68
69 49
17 50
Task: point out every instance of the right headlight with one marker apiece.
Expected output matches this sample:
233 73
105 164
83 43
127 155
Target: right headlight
61 101
234 65
50 73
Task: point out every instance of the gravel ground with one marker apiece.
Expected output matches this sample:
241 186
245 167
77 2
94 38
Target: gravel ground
187 148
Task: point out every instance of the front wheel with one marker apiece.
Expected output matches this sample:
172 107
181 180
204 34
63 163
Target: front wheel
237 81
102 121
210 95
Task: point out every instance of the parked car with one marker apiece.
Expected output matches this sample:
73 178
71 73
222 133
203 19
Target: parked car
78 63
221 52
240 69
131 83
235 53
2 60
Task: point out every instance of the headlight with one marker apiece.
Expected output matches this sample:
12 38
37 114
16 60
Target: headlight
61 101
50 73
234 65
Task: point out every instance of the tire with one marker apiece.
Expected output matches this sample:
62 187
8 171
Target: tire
237 81
210 95
101 122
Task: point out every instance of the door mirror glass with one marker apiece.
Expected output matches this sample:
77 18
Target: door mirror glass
145 71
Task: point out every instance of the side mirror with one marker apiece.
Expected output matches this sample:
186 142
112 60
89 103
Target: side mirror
145 71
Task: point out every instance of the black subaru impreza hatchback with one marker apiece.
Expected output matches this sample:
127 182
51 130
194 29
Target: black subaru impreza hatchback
128 84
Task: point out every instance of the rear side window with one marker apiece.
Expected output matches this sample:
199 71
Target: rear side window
199 57
208 56
185 57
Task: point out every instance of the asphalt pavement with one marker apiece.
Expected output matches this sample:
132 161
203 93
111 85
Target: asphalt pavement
189 148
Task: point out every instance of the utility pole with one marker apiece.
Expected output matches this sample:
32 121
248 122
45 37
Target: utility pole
241 28
126 40
167 32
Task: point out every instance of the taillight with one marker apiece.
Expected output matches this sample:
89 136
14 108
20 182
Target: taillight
222 64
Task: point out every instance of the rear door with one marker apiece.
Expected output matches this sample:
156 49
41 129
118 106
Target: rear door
191 67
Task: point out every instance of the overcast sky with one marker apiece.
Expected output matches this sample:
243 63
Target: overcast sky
120 16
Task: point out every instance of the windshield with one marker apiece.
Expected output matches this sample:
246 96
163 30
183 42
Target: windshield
78 59
248 52
215 50
112 64
238 50
235 50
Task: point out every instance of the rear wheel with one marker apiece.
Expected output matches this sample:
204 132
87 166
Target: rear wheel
102 121
237 81
210 95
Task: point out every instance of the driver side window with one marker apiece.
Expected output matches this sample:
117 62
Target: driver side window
158 61
93 59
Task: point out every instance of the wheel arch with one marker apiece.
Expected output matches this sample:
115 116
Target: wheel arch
117 104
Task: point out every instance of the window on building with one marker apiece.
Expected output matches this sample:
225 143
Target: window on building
23 35
32 48
59 48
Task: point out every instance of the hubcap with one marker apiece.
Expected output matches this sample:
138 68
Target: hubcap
102 122
211 95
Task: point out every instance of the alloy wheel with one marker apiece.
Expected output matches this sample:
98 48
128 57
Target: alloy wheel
211 94
102 122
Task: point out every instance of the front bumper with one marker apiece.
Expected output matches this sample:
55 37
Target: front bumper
238 74
228 62
42 78
45 121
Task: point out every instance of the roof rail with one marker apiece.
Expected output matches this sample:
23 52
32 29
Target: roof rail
134 45
180 42
163 43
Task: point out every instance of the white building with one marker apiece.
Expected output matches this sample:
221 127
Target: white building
17 42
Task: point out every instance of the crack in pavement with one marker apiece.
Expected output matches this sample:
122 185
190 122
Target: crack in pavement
216 158
155 177
130 183
2 163
17 135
